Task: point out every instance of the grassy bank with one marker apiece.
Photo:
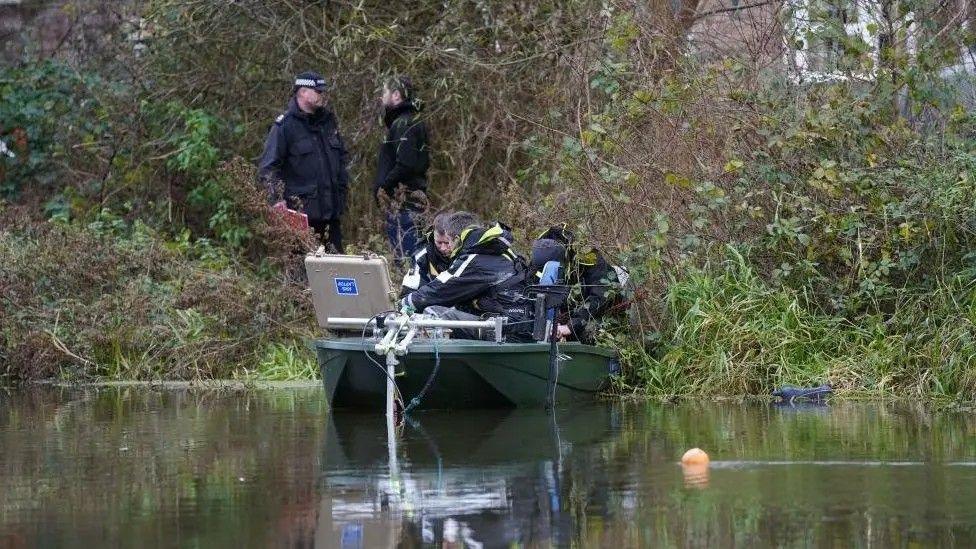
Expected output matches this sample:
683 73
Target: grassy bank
118 301
731 333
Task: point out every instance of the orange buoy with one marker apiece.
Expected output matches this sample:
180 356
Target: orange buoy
695 456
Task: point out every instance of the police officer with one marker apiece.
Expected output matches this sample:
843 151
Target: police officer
433 255
486 277
401 175
597 285
306 154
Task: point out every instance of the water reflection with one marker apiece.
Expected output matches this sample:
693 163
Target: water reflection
134 466
489 477
696 475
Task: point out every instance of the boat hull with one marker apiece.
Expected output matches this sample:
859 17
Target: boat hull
472 374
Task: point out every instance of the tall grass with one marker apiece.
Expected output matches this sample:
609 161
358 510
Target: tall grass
729 332
285 362
128 303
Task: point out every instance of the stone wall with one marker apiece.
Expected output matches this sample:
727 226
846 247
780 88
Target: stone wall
31 29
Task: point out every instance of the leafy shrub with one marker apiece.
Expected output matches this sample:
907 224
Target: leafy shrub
49 114
117 299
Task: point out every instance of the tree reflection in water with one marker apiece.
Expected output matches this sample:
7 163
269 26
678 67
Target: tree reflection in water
213 467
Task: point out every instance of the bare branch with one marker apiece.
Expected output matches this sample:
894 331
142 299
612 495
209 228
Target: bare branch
743 7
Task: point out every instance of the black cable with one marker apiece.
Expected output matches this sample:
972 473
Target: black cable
374 361
415 401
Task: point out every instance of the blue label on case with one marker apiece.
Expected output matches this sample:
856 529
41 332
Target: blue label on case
346 286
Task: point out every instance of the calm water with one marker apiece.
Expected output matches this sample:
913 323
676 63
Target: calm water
208 468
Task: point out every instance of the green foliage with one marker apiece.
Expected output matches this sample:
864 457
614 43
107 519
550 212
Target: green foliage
195 153
728 332
225 221
848 204
853 219
115 299
283 362
731 334
48 112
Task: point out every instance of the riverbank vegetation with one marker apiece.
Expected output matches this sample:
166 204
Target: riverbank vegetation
794 206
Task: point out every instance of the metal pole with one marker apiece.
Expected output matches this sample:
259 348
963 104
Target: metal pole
391 363
437 323
391 434
345 322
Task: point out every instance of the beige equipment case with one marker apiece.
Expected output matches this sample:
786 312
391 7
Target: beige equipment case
348 285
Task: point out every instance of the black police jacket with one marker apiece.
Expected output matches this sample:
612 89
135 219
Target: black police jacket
486 276
404 155
599 292
597 289
307 154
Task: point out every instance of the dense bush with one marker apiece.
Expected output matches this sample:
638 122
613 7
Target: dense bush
54 123
847 206
119 299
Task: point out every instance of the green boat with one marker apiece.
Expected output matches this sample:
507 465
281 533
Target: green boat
471 374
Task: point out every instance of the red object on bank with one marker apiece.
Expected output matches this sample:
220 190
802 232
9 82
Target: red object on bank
295 219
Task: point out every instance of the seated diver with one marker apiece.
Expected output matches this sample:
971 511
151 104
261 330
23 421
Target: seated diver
484 279
595 285
433 257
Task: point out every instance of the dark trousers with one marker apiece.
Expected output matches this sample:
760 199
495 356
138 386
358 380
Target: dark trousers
401 229
329 231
